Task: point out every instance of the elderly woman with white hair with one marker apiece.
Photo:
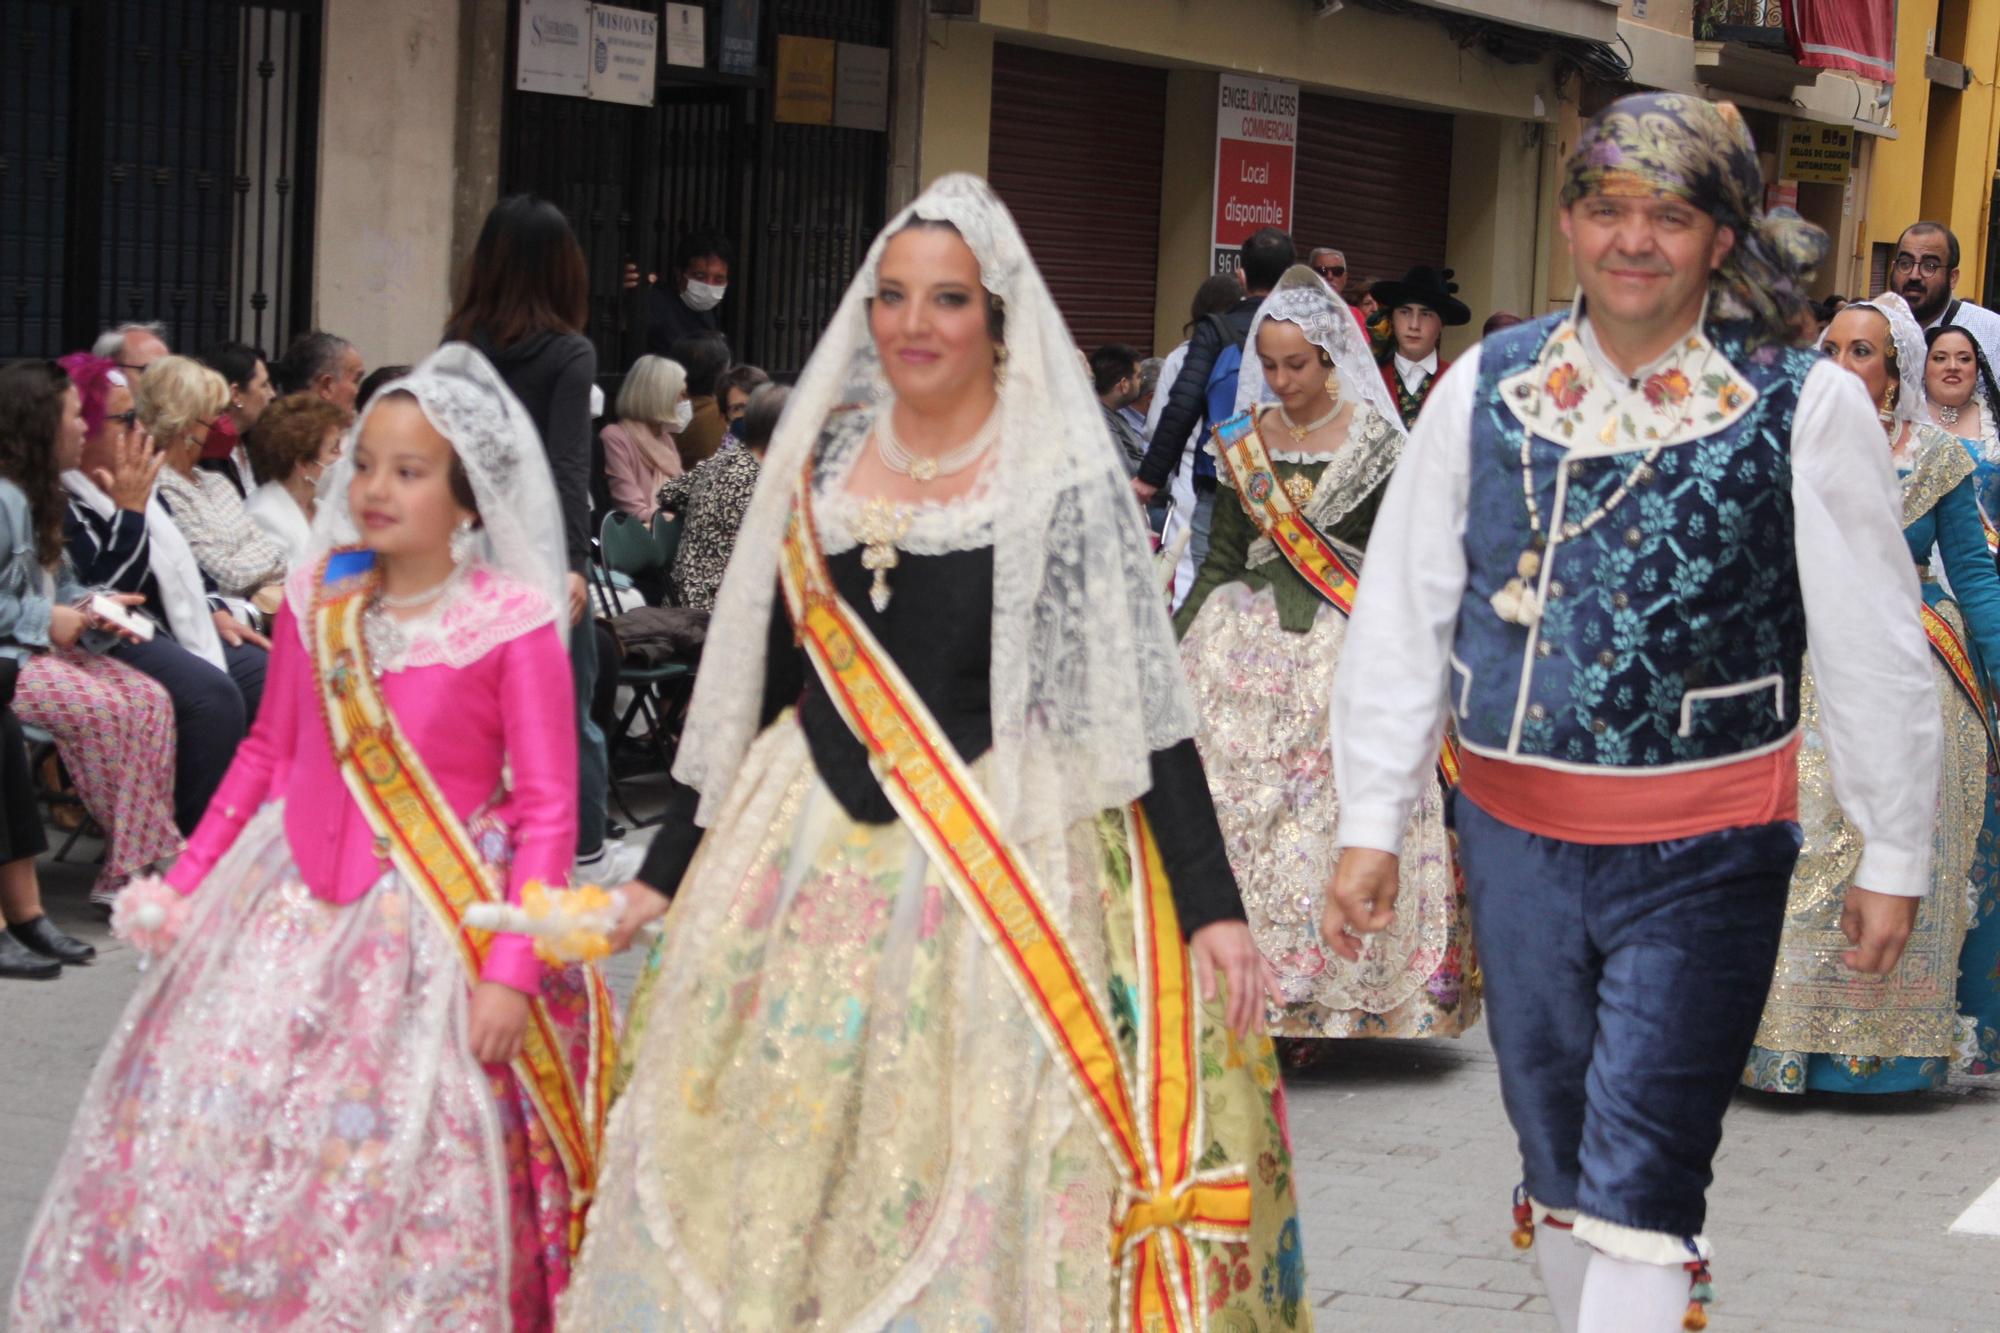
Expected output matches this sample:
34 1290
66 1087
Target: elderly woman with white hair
639 451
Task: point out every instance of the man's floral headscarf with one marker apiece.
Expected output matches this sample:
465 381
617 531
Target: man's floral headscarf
1654 144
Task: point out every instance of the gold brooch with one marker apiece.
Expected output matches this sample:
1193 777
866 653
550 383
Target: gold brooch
1300 489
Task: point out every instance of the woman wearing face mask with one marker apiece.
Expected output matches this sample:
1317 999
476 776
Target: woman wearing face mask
705 358
1963 396
889 1070
1260 644
297 441
1825 1028
639 450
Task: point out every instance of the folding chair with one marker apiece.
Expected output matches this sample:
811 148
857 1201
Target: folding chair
659 693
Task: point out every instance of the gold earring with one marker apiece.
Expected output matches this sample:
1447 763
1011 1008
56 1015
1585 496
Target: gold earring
1333 386
1890 393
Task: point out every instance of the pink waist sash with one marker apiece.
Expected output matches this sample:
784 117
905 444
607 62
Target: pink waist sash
1603 809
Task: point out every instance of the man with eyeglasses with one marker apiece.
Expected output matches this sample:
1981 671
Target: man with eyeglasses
133 347
1331 264
1924 272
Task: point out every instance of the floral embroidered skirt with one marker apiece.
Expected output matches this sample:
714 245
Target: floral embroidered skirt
1262 695
289 1131
1829 1029
836 1113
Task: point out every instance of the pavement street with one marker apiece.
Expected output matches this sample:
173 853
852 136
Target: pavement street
1828 1213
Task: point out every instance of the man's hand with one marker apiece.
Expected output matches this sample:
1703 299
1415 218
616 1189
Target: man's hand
495 1023
1226 947
1878 926
1145 490
1361 901
643 903
579 596
630 277
235 633
134 466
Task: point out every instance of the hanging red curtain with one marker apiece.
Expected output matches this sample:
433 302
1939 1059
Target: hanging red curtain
1858 36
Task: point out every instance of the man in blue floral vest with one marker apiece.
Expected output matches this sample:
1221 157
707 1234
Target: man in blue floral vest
1612 537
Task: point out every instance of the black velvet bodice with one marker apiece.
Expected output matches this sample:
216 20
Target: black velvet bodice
938 627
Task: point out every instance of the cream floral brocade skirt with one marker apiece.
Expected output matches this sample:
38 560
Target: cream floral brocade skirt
1262 697
836 1114
1817 1004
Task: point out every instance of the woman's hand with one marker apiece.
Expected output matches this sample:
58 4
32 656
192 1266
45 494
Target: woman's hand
1226 947
235 633
127 599
643 903
498 1017
135 466
66 625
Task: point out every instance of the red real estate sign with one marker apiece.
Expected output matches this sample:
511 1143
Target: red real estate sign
1256 147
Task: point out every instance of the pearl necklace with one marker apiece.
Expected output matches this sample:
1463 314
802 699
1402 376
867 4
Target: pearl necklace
921 468
1298 432
409 600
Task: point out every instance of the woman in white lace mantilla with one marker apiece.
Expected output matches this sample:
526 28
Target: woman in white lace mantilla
841 1108
1260 646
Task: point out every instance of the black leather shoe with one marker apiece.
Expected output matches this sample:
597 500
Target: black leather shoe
17 960
42 936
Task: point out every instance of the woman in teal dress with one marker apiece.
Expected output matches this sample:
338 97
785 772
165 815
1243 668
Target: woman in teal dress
1827 1028
1960 386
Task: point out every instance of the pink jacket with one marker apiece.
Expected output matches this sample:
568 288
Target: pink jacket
513 702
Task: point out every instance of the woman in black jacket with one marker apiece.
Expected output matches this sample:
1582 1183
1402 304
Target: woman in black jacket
523 303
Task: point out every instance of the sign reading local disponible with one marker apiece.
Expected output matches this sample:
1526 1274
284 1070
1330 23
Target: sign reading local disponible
553 55
574 48
1256 148
1817 154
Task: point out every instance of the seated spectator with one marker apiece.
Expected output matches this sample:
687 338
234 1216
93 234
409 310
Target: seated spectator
177 402
295 443
113 725
133 347
732 393
242 368
705 359
121 537
639 451
372 385
318 362
31 947
711 500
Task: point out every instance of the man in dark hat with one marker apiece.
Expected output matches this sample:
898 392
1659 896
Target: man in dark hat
1604 551
1421 306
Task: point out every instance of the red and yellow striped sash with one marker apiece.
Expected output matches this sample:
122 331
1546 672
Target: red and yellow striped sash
1241 449
1950 650
429 844
1150 1125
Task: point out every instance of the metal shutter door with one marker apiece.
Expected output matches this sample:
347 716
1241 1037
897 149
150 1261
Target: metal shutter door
1076 150
1373 181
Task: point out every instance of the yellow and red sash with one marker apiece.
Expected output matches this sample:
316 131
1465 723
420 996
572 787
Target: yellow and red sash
1950 650
430 846
1240 448
1151 1124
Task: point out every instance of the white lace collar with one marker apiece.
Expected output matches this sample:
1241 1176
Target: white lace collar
481 610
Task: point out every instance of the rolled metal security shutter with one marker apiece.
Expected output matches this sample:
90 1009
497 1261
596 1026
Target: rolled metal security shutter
1373 181
1075 152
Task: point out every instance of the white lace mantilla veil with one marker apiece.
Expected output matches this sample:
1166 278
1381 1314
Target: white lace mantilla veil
469 404
1086 682
1303 298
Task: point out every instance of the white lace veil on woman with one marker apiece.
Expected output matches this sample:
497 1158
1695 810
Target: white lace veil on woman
1303 298
1912 403
464 398
1085 680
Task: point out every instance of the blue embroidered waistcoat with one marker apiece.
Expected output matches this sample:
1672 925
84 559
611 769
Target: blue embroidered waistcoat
1672 629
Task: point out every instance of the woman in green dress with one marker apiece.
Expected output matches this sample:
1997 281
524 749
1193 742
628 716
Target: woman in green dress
1260 644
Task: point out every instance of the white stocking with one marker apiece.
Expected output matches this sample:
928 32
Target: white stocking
1625 1296
1562 1260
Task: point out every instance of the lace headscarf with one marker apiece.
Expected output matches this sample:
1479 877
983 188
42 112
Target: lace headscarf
1906 342
464 398
1085 680
1303 298
1647 145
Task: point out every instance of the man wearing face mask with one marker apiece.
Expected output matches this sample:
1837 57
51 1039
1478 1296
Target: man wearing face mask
687 308
1925 272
